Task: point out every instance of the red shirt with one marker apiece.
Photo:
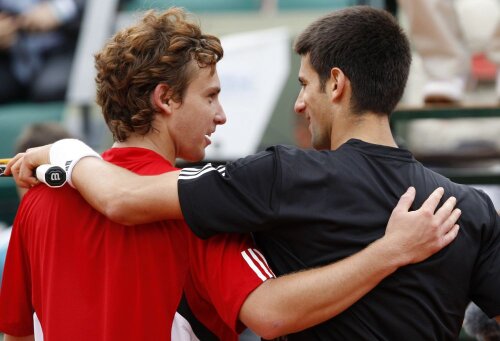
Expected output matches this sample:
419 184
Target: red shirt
86 277
89 278
224 270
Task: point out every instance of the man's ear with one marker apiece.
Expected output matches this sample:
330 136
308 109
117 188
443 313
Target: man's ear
161 98
338 82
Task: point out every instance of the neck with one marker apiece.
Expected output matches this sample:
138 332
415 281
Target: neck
368 127
152 141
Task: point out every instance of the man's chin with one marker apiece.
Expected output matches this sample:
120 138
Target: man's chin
194 157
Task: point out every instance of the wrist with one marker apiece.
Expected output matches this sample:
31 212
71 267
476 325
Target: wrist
67 152
387 249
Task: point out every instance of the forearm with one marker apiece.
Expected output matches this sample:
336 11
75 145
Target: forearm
125 197
301 300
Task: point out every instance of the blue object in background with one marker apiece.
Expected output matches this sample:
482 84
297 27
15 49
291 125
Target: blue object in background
4 243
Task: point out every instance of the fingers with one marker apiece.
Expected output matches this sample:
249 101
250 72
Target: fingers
450 235
15 173
406 200
21 170
449 228
26 173
432 201
445 211
451 220
12 162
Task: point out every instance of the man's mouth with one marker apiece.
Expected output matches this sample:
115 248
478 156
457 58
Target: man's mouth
207 138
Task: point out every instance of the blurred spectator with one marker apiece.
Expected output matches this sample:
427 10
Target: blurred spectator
479 325
37 43
436 34
35 135
4 243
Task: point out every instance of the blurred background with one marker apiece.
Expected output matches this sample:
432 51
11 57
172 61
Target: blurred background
47 75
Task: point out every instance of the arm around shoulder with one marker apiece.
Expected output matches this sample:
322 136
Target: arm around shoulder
125 197
301 300
297 301
119 194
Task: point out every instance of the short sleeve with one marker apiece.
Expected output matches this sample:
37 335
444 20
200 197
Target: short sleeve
238 197
485 285
225 269
16 311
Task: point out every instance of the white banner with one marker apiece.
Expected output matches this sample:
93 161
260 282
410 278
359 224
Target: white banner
253 72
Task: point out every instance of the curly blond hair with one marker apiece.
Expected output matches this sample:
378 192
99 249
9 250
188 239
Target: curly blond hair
158 49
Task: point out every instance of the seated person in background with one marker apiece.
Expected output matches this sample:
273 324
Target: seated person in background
479 325
436 33
37 44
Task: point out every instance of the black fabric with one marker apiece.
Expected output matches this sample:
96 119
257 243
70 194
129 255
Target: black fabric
201 332
310 208
248 191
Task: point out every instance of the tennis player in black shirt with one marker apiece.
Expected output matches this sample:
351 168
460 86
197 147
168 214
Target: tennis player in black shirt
307 208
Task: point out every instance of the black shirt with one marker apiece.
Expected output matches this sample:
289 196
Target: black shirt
309 208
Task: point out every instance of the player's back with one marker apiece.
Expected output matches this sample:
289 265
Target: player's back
349 209
91 279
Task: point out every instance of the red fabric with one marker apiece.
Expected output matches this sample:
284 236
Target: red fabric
86 277
482 68
221 279
90 279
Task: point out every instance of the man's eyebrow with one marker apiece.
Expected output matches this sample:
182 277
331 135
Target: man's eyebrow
216 89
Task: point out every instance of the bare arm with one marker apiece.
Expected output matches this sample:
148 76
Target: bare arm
125 197
297 301
117 193
19 338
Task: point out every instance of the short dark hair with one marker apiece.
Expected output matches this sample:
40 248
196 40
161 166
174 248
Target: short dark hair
369 46
158 49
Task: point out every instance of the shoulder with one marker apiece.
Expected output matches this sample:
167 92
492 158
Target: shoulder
43 192
279 155
254 160
476 206
42 201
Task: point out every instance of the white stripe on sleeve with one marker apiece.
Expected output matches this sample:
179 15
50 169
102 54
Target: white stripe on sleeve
195 170
193 173
253 266
254 256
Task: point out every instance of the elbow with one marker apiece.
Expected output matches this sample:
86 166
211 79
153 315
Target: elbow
270 334
269 315
270 327
116 214
116 209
